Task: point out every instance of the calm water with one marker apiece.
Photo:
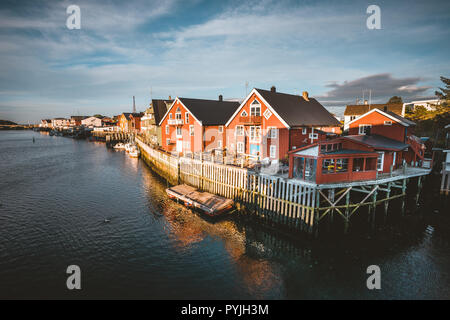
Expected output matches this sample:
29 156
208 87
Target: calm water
55 194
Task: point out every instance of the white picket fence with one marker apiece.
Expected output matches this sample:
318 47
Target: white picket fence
272 198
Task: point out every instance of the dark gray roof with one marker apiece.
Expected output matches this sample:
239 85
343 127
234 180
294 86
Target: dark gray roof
211 112
378 142
349 151
160 107
298 112
400 118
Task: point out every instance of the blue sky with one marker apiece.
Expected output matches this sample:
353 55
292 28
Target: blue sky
201 49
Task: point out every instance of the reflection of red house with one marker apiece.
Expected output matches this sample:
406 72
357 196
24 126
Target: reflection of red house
268 124
195 125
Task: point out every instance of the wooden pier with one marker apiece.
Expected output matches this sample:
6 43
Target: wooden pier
445 182
208 203
295 204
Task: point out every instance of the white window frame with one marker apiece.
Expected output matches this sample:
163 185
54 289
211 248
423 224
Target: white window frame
181 132
244 114
167 141
273 132
191 130
388 123
363 126
220 129
167 129
380 154
170 116
240 147
267 114
273 151
304 131
254 106
255 134
186 117
239 131
219 144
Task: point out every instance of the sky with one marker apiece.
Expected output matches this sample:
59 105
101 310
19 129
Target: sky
200 49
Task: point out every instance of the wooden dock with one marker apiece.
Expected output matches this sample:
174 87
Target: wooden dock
210 204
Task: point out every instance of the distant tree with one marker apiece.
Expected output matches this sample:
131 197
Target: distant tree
98 116
443 94
395 99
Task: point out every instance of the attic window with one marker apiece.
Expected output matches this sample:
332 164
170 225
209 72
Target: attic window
267 114
244 113
388 123
255 109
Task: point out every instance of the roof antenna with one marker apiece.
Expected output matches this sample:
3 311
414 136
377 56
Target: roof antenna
246 88
134 106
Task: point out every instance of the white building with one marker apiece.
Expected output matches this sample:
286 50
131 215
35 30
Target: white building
92 122
427 104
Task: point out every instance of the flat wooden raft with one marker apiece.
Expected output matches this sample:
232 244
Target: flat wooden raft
209 203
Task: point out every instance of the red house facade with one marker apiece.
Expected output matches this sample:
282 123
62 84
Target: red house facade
268 124
196 125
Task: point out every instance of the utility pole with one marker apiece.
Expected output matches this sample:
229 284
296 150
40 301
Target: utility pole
134 105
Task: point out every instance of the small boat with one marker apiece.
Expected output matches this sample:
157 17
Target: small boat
128 147
134 152
209 204
119 145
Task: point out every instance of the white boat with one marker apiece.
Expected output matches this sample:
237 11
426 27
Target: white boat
134 152
128 147
119 145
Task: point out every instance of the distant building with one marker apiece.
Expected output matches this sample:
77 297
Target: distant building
151 118
46 123
130 122
427 104
60 122
354 111
92 122
75 121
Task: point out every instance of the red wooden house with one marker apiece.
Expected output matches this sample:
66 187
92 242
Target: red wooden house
268 124
196 125
390 125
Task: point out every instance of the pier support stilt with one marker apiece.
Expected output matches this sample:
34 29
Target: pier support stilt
374 207
347 212
386 202
419 188
404 196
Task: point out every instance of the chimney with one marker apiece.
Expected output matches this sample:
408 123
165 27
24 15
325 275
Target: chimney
273 89
365 102
305 95
220 97
385 108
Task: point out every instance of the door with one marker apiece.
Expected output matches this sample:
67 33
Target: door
254 149
179 146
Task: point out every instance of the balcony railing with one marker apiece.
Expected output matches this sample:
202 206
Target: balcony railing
250 120
175 122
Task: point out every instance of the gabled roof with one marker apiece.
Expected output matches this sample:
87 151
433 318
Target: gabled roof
378 142
391 115
208 112
294 110
359 109
160 108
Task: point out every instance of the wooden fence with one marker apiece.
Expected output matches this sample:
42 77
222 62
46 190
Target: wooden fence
272 198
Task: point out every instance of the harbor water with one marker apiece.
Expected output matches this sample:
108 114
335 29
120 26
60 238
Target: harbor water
74 202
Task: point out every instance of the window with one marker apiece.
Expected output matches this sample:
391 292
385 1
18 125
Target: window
220 129
328 166
364 128
323 148
186 117
341 165
219 144
304 130
352 118
167 129
240 147
380 161
255 109
191 130
388 123
255 133
239 131
358 164
244 113
273 151
170 116
167 141
267 114
178 115
187 146
178 131
313 136
273 132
